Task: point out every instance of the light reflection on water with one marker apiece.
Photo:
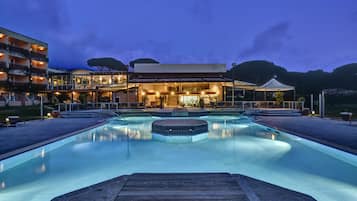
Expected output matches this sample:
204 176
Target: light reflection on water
232 146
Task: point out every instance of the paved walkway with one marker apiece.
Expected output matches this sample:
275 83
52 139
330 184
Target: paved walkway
338 134
33 132
184 186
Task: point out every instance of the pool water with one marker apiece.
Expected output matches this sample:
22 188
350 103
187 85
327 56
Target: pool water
126 146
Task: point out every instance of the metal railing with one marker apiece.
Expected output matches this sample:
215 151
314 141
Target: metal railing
69 107
244 105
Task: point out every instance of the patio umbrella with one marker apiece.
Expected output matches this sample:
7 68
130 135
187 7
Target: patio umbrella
274 85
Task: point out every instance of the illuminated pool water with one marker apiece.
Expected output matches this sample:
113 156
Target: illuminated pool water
126 146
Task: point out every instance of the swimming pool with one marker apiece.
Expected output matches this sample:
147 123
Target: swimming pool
126 146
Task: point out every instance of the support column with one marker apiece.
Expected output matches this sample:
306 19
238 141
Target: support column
320 107
127 89
311 102
323 104
233 90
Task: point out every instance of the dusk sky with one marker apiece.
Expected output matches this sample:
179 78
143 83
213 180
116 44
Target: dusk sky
300 35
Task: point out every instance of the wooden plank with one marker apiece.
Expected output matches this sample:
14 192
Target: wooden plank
185 186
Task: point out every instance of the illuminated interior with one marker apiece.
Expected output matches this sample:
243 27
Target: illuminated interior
187 94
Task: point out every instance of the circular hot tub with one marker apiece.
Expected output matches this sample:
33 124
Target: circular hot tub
180 130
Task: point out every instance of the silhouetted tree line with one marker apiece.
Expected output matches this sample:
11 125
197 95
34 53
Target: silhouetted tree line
344 77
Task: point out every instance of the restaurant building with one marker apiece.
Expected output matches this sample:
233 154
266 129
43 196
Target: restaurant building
146 85
172 85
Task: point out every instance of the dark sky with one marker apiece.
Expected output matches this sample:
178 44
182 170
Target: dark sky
297 34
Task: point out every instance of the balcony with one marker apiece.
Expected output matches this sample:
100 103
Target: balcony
21 81
20 50
18 67
39 81
3 76
61 87
3 46
38 56
18 72
39 71
3 66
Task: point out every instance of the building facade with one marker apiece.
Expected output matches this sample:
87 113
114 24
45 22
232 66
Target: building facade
23 68
186 85
87 86
146 85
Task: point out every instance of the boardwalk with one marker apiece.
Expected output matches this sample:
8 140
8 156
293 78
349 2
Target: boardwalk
184 186
334 133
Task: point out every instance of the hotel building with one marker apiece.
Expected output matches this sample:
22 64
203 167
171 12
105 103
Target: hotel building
23 68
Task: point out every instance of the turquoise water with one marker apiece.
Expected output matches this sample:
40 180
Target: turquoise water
233 145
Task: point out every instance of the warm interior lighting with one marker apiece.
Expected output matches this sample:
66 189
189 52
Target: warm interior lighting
187 93
2 35
1 54
73 92
41 78
143 93
172 93
203 93
2 73
41 48
41 63
157 93
57 93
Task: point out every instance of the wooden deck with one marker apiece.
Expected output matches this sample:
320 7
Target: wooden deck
184 187
181 187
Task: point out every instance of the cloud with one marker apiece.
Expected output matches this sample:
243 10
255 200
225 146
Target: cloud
269 41
202 11
44 14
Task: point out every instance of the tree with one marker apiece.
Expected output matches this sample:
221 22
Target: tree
142 61
107 62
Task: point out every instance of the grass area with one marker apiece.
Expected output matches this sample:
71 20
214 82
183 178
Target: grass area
24 112
334 110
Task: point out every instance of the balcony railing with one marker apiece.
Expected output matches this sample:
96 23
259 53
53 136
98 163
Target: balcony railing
39 56
3 46
19 50
22 81
39 71
44 82
18 66
61 87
